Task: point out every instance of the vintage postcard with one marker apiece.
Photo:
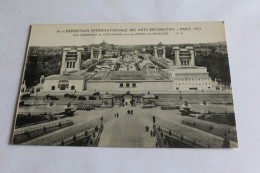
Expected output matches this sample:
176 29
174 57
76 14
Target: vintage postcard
145 85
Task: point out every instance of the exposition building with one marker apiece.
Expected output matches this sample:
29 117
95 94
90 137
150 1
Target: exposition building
157 73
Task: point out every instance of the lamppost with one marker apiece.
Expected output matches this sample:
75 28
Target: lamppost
180 95
113 99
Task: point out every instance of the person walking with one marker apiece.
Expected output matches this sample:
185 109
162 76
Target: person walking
153 119
101 119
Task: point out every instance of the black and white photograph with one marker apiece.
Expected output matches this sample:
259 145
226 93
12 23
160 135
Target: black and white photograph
131 85
139 86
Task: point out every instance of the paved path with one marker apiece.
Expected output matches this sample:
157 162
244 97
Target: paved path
126 131
129 130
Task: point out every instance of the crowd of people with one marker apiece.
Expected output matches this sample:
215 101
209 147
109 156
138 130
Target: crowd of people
86 108
170 107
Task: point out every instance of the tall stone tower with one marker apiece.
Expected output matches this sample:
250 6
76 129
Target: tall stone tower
155 52
96 53
192 59
176 51
184 56
71 60
159 51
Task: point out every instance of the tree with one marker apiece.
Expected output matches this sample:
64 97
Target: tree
168 53
217 65
41 61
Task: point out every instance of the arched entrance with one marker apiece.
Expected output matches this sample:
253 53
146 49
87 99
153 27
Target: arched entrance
63 84
107 100
128 99
149 100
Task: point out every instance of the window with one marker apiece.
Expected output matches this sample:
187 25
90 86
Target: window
121 85
177 88
134 85
72 87
68 64
127 85
53 88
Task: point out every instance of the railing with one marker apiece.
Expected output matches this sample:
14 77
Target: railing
33 113
158 139
82 132
66 122
229 133
182 137
98 136
32 133
64 101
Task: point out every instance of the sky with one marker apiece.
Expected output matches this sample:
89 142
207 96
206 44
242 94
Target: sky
126 33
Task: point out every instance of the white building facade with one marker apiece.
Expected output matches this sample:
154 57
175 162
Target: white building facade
182 75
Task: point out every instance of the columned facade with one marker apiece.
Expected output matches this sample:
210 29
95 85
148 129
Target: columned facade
71 60
184 56
159 52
